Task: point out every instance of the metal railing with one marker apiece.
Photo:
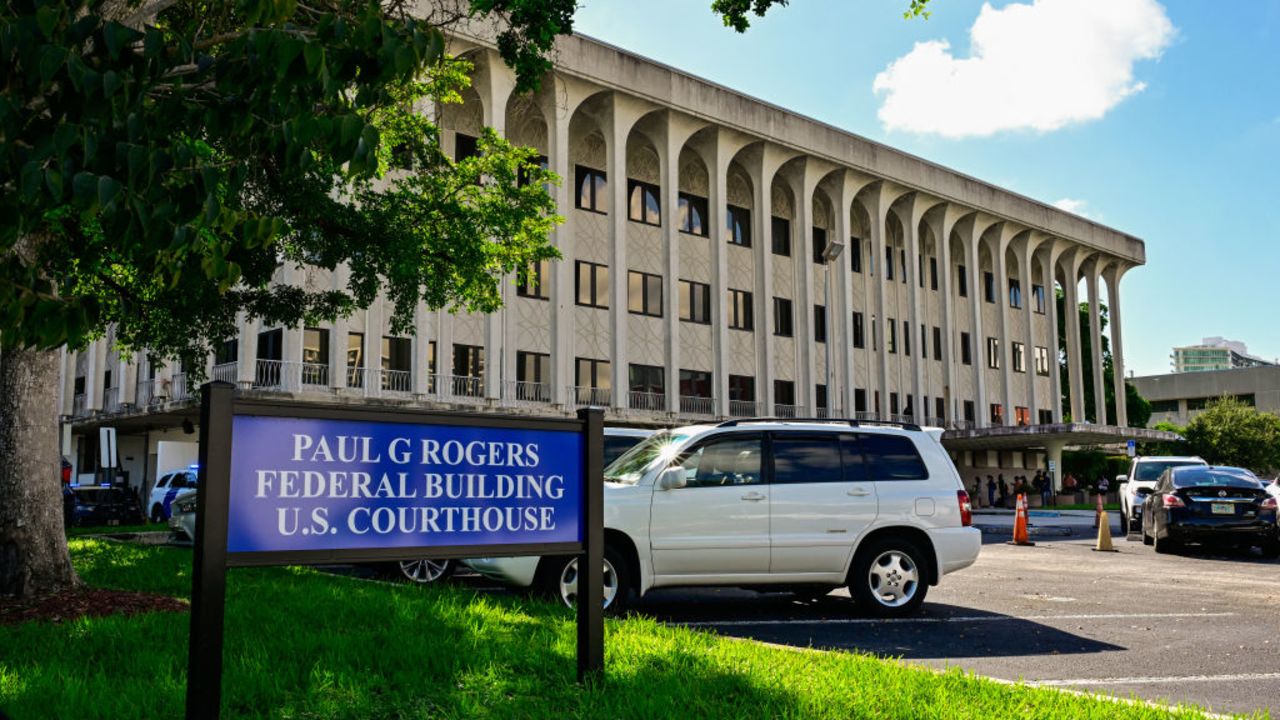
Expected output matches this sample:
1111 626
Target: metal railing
961 425
935 422
584 396
788 411
178 389
393 381
315 374
652 402
694 405
520 393
111 400
745 408
463 387
228 372
825 413
866 416
269 375
146 395
77 404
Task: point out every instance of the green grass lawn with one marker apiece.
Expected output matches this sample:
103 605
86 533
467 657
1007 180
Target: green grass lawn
302 644
114 529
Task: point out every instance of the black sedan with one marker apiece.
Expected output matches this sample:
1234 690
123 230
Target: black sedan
104 506
1210 505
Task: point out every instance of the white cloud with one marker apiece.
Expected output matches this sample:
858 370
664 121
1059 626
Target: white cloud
1076 207
1031 67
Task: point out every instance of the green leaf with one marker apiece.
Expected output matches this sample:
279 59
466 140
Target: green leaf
117 36
53 181
108 189
51 59
84 187
47 19
30 178
110 83
313 55
288 49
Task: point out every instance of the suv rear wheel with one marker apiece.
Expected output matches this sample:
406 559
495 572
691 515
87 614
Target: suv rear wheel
889 577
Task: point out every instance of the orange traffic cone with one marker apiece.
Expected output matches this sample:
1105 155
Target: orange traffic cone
1020 534
1104 535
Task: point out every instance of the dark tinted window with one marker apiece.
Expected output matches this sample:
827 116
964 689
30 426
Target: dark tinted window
1152 469
855 467
728 461
1215 477
615 445
893 457
806 459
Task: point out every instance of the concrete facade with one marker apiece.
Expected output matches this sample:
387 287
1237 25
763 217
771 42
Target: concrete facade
1179 397
938 306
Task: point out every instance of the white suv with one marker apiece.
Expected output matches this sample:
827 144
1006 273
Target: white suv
1133 488
804 506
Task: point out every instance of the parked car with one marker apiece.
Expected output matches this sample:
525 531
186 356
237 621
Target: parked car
618 440
182 519
1133 488
166 489
94 505
803 506
1208 504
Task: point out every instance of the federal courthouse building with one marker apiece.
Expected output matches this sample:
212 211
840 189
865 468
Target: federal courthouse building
722 257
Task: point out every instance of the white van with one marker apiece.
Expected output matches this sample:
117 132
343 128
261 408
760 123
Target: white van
805 506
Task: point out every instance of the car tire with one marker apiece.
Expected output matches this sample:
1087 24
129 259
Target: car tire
157 513
424 571
1164 545
1146 539
559 580
889 577
1271 549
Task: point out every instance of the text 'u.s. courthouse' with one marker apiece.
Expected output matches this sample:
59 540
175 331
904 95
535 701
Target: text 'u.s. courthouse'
722 257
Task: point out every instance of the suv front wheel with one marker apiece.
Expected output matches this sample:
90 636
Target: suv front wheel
560 579
889 577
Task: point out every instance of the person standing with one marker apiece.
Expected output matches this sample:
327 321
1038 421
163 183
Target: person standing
991 491
1004 490
977 490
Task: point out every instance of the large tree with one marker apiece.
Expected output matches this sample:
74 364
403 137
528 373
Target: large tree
164 159
1137 408
1232 432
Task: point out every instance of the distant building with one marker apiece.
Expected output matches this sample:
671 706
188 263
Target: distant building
1215 353
1181 396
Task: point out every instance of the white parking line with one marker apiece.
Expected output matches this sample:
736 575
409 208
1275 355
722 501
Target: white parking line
953 619
1239 677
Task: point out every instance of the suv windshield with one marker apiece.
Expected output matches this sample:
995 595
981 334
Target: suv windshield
628 468
1151 471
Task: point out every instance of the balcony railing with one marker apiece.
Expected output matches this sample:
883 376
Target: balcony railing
178 389
111 400
825 413
935 422
866 415
393 382
464 388
651 402
517 393
269 375
788 411
77 404
146 395
583 396
228 372
692 405
746 408
961 425
315 374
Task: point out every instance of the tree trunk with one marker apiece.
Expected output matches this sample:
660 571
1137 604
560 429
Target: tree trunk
33 544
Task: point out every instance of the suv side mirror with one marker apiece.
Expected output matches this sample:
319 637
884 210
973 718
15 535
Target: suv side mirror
671 479
1122 479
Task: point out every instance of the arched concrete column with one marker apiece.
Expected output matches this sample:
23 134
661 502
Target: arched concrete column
669 132
717 147
971 229
495 82
1025 251
1050 253
842 187
803 175
620 114
1092 272
1113 274
999 243
762 162
1071 262
67 388
878 199
942 219
912 209
559 99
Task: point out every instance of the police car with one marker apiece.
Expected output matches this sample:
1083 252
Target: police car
160 504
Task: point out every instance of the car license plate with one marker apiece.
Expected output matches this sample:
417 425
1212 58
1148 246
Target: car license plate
1222 509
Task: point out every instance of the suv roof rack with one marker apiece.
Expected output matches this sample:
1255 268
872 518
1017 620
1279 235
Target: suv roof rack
843 421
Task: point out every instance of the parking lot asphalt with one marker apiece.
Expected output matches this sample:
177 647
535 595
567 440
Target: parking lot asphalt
1200 628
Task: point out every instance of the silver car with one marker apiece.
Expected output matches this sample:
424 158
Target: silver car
182 517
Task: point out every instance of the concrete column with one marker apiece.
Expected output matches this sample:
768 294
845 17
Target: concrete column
672 141
93 375
372 349
247 369
1113 275
943 221
912 270
1025 256
421 372
1001 267
1053 453
1049 256
67 383
291 353
762 165
1075 366
1095 341
844 187
803 183
717 158
878 202
494 82
971 233
338 354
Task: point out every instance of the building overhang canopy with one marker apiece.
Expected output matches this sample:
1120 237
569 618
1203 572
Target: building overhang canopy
1031 437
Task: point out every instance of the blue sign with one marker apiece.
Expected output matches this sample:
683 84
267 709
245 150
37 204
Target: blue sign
309 484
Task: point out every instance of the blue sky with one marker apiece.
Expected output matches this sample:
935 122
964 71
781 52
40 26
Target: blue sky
1184 153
